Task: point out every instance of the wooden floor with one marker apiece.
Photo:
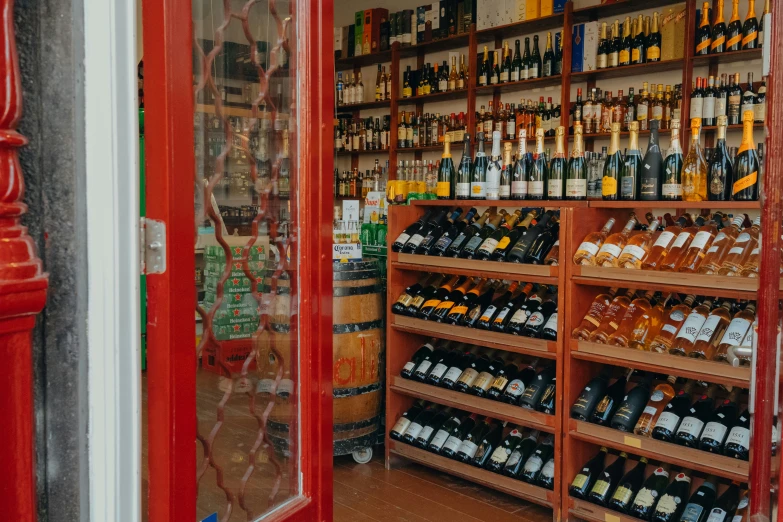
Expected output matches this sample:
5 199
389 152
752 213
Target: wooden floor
413 493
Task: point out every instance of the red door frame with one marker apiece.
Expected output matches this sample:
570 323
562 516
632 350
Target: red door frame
171 376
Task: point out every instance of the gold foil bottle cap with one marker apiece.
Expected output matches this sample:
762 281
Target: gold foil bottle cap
633 126
560 131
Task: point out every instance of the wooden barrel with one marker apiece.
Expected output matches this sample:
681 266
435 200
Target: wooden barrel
358 339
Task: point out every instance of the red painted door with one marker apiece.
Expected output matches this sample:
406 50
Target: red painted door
238 102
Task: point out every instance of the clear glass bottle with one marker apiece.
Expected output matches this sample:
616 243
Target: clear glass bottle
635 252
661 247
680 246
595 313
702 241
736 331
739 254
609 253
647 325
591 244
674 318
638 307
660 397
711 332
694 168
612 318
720 247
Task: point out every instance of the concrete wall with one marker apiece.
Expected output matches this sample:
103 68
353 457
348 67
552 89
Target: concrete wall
50 45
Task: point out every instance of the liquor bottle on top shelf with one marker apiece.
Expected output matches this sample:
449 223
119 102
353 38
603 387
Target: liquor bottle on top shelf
627 487
692 424
558 167
607 481
635 251
612 248
605 409
519 456
659 399
586 478
711 332
591 245
671 189
613 166
741 250
746 165
613 317
694 168
405 420
632 406
590 395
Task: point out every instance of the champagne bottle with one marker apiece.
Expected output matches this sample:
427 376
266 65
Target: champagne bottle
644 502
630 181
628 486
613 166
718 44
610 402
586 478
576 182
523 167
720 171
446 172
494 169
632 407
604 487
671 504
465 170
694 168
750 30
536 461
701 502
478 183
671 189
463 237
725 505
443 243
418 356
703 33
734 38
746 165
503 451
558 167
520 455
539 172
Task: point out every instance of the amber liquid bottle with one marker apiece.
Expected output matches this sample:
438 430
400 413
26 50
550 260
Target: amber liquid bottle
673 321
741 250
736 332
680 246
637 248
591 244
690 329
659 398
711 332
595 313
701 243
664 242
720 247
609 253
612 318
638 307
648 324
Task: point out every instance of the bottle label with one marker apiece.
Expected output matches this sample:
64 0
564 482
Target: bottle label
579 481
519 317
697 107
739 436
692 326
424 366
514 75
667 505
612 250
555 188
533 464
462 190
417 302
691 426
500 455
426 433
708 108
519 188
484 381
760 111
468 376
431 303
635 55
692 513
672 329
438 371
548 470
641 111
653 53
700 240
536 188
609 186
415 240
511 128
489 245
590 248
705 334
453 443
405 300
645 498
515 389
601 61
402 239
576 188
443 189
715 431
667 421
401 425
478 189
650 410
499 383
746 182
514 459
622 496
503 243
720 107
735 332
473 244
536 319
657 112
439 439
671 189
453 374
601 488
717 515
488 313
468 448
443 243
551 323
409 366
634 251
413 430
682 238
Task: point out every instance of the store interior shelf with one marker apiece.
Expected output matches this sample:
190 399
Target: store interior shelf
450 43
509 31
712 205
364 60
501 203
728 57
627 70
434 97
495 409
539 273
536 83
507 485
710 371
438 147
363 106
615 9
501 341
360 152
723 286
595 513
732 469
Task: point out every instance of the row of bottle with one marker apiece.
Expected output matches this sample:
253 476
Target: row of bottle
481 441
529 115
493 236
656 497
638 42
361 134
432 79
601 109
425 130
688 416
714 97
699 327
350 92
354 184
718 244
487 304
720 38
485 373
528 66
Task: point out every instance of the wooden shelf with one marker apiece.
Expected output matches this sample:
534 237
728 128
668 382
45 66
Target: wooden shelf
536 83
508 31
615 9
594 513
710 371
364 60
690 458
712 205
627 70
713 285
362 106
505 203
434 97
489 339
438 147
450 43
728 57
510 486
463 401
360 152
545 274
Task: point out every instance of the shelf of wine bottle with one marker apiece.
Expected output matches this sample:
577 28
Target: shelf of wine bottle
486 338
712 205
627 70
434 97
509 31
732 469
595 513
722 286
507 485
463 401
505 203
728 57
361 152
535 83
545 274
363 106
688 367
615 9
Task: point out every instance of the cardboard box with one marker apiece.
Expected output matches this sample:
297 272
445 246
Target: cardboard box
584 47
383 45
547 8
509 15
407 27
559 6
358 28
351 41
533 9
521 11
433 16
673 33
421 21
461 17
469 14
373 18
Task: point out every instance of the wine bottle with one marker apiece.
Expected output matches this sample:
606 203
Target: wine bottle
510 240
520 251
671 188
660 397
630 181
476 312
594 315
720 171
458 365
476 362
454 297
419 423
416 239
672 503
746 164
639 49
669 420
406 234
539 248
422 440
440 294
469 446
458 309
422 295
576 181
714 434
489 245
703 33
691 426
610 402
452 232
405 420
404 300
536 461
516 387
442 434
701 502
489 313
604 487
493 169
558 167
535 323
464 172
631 407
726 505
507 173
586 478
546 479
520 455
425 350
738 439
478 182
486 377
547 403
457 435
539 171
644 502
488 443
463 237
523 167
590 395
627 487
446 172
533 392
627 43
750 30
519 318
503 451
472 246
718 44
436 232
613 166
734 31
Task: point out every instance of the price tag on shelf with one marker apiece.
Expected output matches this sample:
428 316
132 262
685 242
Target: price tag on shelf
632 441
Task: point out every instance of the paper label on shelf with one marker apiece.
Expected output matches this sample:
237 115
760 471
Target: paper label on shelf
668 421
591 248
712 322
739 436
682 238
691 426
468 448
632 441
692 326
701 239
735 332
613 250
715 431
634 251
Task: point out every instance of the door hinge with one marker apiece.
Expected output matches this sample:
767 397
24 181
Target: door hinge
152 246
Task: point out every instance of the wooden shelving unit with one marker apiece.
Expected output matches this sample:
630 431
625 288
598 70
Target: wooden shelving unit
577 362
